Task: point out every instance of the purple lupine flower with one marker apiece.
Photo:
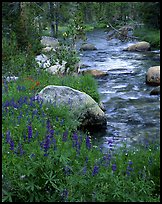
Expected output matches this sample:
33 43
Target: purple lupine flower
19 118
75 139
34 112
129 168
46 144
19 88
20 149
95 170
51 133
64 194
24 135
25 100
48 124
106 160
8 136
114 167
110 143
67 170
65 135
76 143
29 132
88 142
11 142
54 144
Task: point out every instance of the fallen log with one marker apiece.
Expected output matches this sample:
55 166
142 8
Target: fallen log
120 33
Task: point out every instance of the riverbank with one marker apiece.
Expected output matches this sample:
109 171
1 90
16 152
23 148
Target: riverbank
149 35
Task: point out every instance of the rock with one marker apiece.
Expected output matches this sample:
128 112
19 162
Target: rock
11 78
101 105
140 46
42 61
87 46
111 34
94 72
155 91
153 76
86 109
49 42
156 57
57 68
48 49
62 69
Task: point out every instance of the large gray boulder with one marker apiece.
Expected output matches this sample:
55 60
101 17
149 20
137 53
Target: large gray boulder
140 46
153 76
85 108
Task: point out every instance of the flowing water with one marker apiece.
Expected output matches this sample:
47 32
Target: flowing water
132 113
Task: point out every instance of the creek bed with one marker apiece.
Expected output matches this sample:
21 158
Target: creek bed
133 115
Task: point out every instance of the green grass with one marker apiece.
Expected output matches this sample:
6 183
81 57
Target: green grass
149 35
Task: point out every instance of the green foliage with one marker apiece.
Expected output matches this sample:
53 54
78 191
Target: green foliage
150 13
149 35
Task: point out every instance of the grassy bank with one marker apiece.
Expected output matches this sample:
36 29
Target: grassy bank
45 158
149 35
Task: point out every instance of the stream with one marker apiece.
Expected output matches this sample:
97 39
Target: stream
133 115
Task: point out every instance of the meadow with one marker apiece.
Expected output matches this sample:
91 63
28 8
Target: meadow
46 158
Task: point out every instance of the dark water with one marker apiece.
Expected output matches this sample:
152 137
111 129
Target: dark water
132 114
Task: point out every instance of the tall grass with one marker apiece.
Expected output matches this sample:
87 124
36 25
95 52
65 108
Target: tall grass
149 35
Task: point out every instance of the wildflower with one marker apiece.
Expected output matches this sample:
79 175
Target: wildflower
11 142
51 133
129 168
29 132
48 124
106 159
65 135
114 167
64 194
76 143
88 142
75 139
67 170
8 134
54 144
95 170
46 145
20 149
